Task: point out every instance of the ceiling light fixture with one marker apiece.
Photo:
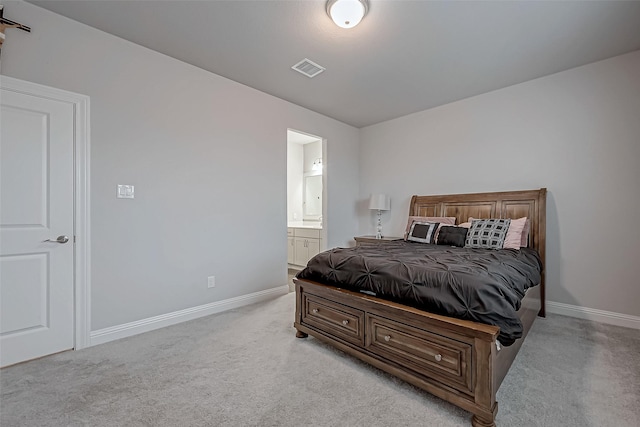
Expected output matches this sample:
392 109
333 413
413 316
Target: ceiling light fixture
347 13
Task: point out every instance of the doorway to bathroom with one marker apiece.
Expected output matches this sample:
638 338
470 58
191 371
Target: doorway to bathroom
306 195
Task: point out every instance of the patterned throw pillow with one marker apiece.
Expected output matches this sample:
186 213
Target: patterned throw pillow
423 232
487 233
451 220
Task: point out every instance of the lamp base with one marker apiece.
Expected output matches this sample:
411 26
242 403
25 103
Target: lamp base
379 228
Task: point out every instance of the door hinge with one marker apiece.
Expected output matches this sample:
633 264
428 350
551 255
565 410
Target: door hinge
74 239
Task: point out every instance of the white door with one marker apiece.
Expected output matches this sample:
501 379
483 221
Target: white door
36 207
313 247
300 252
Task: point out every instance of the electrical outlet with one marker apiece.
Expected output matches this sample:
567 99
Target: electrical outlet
211 282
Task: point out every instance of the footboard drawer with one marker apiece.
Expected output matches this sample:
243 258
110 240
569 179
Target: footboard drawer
435 356
336 319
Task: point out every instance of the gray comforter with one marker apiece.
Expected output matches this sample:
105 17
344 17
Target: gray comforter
482 285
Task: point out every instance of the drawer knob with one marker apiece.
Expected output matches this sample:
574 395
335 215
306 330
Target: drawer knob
387 338
315 311
438 357
345 322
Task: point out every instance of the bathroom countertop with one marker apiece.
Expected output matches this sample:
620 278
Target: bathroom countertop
305 224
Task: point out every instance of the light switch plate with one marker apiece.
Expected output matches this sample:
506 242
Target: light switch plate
125 191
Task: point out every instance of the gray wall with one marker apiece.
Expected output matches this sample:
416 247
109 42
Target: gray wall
576 132
207 157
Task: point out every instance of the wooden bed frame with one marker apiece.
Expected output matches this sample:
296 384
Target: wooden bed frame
456 360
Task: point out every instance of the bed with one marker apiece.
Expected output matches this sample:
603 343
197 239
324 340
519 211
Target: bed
460 361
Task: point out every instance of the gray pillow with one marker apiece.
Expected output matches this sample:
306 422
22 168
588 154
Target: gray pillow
487 233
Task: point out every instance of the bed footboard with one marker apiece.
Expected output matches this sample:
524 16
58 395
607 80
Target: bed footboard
453 359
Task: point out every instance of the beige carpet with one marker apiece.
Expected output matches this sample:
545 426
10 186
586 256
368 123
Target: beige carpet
246 368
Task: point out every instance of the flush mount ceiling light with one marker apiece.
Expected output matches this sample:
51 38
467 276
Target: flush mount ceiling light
347 13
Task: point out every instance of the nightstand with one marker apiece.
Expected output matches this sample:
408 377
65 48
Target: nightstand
371 240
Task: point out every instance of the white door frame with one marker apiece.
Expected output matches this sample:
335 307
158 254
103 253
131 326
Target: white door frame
81 191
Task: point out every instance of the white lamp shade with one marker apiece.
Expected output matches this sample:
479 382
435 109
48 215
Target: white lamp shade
379 202
347 13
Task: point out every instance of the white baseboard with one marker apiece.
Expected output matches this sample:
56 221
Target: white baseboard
145 325
601 316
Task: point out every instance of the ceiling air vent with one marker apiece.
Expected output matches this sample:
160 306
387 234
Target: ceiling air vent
308 68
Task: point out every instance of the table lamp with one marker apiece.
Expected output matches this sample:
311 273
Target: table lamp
379 202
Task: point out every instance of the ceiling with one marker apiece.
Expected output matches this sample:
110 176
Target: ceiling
404 57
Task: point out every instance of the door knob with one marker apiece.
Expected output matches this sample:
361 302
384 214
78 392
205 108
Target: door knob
60 239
